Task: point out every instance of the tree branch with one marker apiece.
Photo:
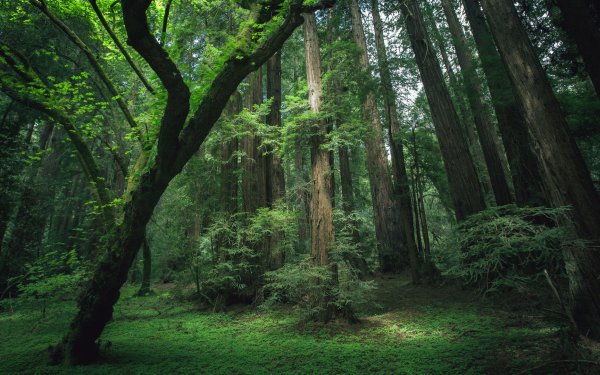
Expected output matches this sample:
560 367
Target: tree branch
84 154
74 38
121 47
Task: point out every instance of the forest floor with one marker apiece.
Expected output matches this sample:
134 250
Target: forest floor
413 330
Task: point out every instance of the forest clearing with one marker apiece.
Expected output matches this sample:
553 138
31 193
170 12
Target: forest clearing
300 186
424 331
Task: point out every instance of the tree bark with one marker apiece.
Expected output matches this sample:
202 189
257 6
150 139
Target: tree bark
392 255
229 180
254 189
402 186
565 176
464 185
524 166
147 270
321 208
481 112
275 175
460 103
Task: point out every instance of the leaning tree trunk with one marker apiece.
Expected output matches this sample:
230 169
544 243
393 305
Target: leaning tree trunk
392 255
460 103
464 185
321 208
481 112
176 144
565 175
402 186
524 166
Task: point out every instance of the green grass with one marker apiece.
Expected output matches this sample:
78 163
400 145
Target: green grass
414 331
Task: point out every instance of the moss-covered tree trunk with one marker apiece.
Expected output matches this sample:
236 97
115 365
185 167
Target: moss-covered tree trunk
176 144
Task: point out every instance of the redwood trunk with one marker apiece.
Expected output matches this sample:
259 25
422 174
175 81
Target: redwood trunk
392 255
463 182
321 209
565 175
511 122
481 112
402 186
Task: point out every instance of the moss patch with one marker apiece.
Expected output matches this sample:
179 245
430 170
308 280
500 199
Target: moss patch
414 331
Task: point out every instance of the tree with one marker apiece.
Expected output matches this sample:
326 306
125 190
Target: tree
392 256
464 185
402 187
513 129
481 112
565 176
177 139
321 207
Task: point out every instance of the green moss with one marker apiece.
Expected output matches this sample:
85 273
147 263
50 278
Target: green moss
418 331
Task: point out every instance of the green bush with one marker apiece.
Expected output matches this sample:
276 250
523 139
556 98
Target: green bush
505 247
56 275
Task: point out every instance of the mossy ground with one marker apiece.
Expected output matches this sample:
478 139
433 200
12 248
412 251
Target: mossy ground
414 330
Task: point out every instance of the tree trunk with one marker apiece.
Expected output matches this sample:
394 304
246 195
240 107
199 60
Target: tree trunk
464 185
579 23
275 175
565 175
254 190
392 255
524 167
147 270
459 101
481 112
402 187
357 262
229 180
321 209
175 146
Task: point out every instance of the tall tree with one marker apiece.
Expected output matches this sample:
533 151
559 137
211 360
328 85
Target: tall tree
513 129
566 178
321 208
254 189
481 112
275 176
402 186
464 185
392 255
177 140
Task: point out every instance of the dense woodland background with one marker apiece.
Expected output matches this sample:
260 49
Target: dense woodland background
397 183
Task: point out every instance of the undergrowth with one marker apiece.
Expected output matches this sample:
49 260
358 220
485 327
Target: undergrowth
414 331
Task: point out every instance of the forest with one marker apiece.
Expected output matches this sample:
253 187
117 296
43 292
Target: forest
300 186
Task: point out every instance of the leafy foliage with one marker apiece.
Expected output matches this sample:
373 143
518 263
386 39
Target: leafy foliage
504 248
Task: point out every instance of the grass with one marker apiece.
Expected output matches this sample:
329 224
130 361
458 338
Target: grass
416 330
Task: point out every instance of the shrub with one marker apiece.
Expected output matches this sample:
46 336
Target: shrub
56 275
505 247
